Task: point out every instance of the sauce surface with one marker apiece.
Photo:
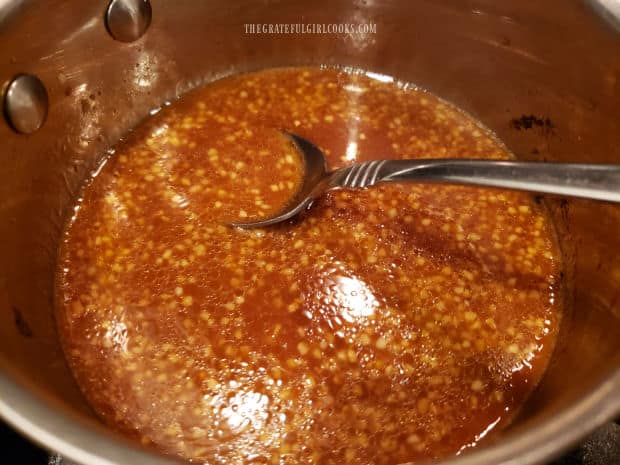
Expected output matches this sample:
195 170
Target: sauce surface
398 323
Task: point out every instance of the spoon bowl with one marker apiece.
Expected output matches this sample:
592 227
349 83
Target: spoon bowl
590 181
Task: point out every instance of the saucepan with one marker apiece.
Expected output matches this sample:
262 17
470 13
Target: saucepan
76 75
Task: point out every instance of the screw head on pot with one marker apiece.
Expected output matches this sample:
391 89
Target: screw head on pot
128 20
25 103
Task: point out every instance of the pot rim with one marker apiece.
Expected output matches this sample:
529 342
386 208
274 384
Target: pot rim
60 432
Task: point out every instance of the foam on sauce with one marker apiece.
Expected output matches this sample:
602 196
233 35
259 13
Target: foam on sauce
398 323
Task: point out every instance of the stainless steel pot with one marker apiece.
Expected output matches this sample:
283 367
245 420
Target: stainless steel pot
545 76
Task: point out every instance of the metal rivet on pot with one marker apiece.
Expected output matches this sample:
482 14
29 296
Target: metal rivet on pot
25 103
128 20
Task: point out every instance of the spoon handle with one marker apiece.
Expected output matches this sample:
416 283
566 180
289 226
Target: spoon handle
592 181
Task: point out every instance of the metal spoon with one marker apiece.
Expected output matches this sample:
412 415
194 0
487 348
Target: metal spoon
590 181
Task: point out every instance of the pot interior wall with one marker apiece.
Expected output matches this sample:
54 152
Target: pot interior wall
555 60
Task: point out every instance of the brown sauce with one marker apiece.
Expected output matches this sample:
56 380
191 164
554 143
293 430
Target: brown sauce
398 323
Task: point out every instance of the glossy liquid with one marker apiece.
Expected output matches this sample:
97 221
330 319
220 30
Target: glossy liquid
398 323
